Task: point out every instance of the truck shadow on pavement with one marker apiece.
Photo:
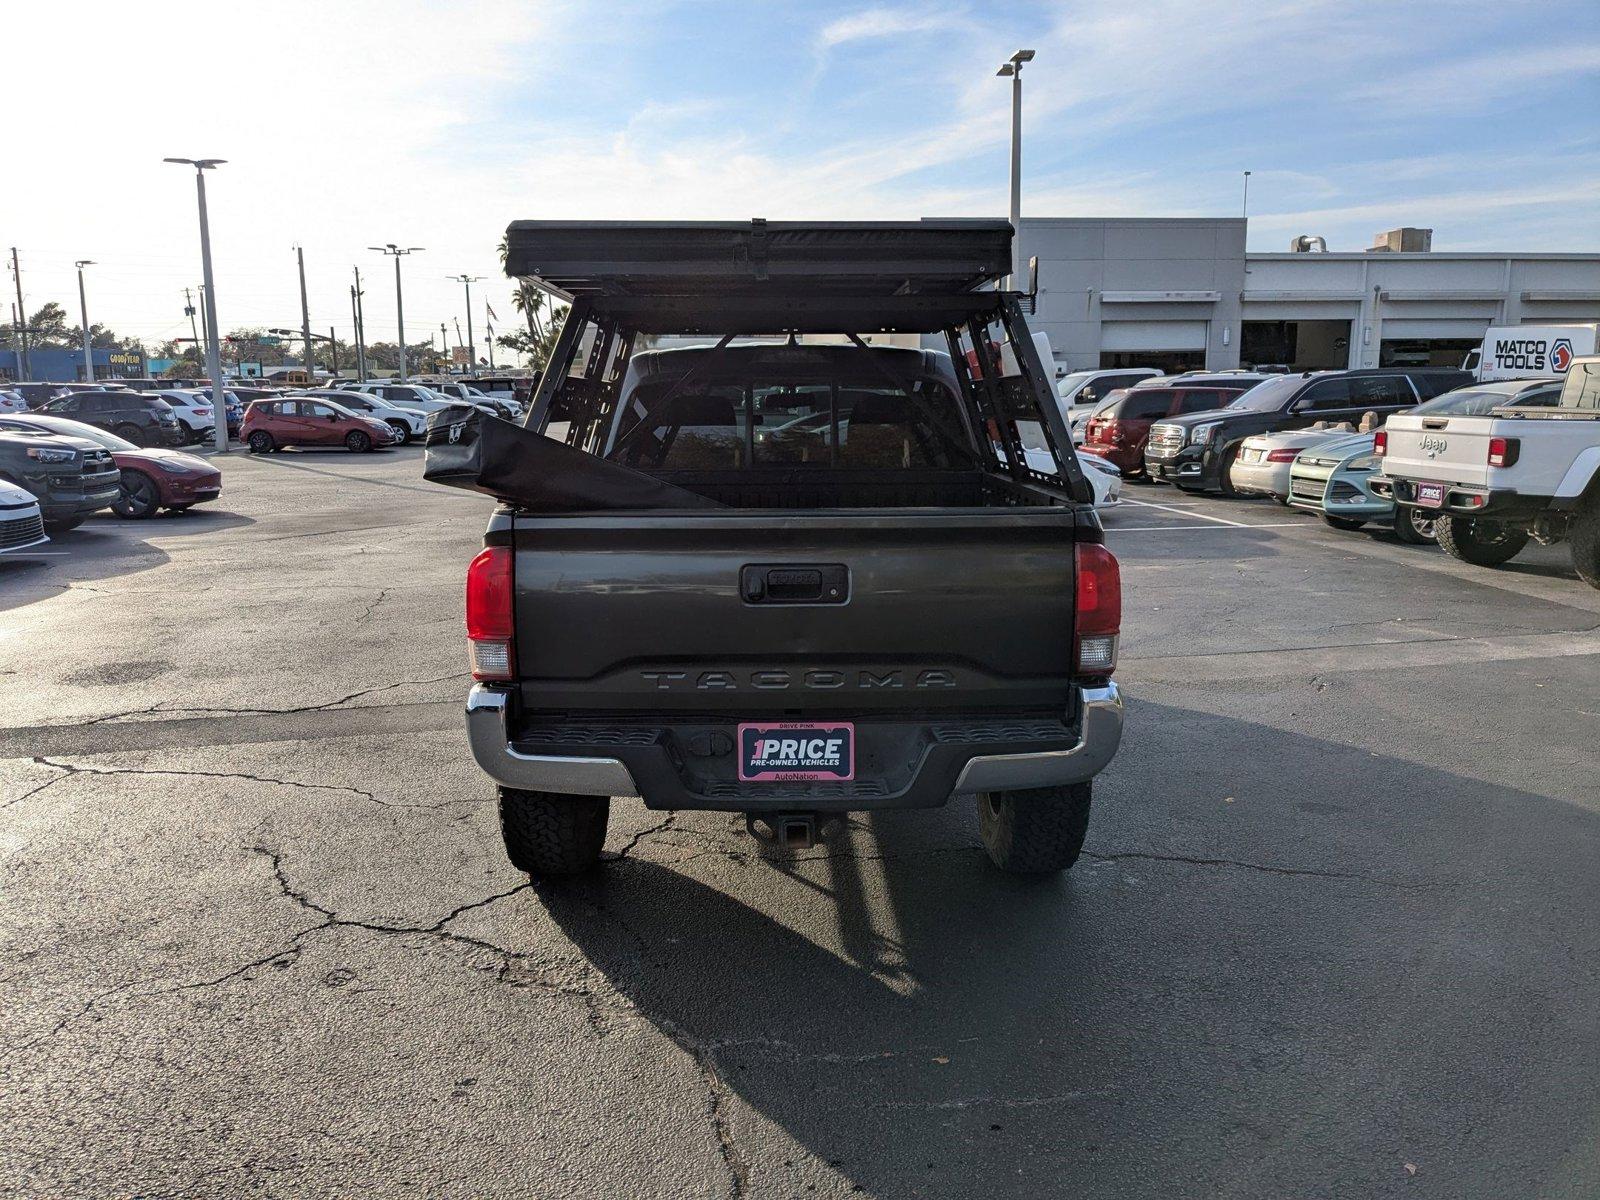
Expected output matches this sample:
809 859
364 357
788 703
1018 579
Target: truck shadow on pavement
1257 982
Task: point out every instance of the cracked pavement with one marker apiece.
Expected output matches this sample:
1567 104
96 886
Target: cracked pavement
1332 934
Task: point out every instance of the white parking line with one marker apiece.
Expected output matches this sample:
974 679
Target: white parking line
1165 528
1182 512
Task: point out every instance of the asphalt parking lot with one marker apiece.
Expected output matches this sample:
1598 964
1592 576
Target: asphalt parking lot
1334 934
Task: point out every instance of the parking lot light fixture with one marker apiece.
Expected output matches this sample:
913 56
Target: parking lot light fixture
1012 69
399 252
219 405
83 310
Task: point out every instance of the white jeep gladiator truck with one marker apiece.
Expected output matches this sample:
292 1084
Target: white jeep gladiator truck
1499 479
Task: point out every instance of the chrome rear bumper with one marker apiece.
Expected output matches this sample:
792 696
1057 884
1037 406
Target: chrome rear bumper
490 738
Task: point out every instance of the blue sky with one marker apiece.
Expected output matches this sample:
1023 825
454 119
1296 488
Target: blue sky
434 124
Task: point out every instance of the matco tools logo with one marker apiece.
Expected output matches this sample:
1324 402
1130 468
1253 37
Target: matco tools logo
1561 355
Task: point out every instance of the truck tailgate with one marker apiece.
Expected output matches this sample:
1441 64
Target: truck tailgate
1446 449
731 616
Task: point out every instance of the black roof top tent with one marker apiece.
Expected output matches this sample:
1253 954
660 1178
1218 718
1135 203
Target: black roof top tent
768 276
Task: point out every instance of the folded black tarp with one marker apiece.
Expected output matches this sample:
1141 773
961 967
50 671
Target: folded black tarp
468 448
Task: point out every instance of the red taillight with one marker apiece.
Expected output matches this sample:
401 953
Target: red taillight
1503 451
1281 455
489 613
1380 442
1099 610
1113 431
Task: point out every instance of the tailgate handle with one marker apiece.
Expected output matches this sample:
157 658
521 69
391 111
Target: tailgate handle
1435 423
794 583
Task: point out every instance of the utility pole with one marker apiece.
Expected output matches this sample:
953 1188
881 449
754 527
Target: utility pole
333 348
457 320
188 309
305 318
361 326
472 342
355 321
488 322
219 403
83 310
19 326
1012 67
444 348
1244 210
399 252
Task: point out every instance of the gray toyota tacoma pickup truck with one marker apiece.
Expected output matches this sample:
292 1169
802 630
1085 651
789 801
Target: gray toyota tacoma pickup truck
779 575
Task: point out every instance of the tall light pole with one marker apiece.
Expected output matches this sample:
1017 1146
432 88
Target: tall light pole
399 252
472 342
83 311
1012 69
219 403
305 320
1244 209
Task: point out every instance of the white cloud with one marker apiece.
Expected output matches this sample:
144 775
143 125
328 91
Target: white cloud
883 22
371 121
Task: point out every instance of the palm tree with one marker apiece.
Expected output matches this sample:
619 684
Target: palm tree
527 299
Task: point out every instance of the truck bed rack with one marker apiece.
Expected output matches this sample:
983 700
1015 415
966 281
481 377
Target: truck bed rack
768 276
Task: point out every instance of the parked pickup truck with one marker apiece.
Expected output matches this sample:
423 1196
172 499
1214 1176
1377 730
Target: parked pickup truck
1499 479
784 579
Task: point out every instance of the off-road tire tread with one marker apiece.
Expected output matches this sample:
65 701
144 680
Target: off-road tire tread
1035 831
1583 539
551 834
1468 552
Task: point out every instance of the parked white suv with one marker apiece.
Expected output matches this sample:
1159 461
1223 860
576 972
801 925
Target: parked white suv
193 410
21 525
1499 479
407 423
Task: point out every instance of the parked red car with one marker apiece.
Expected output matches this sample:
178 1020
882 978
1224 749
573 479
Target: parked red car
152 478
1119 430
273 424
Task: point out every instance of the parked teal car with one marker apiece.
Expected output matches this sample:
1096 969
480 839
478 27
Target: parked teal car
1333 479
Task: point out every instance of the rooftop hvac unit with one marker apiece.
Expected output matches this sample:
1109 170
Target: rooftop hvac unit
1309 243
1405 240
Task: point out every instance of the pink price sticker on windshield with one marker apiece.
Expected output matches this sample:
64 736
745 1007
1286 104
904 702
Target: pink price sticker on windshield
797 750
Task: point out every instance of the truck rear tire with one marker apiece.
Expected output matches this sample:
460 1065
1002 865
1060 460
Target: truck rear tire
1479 542
547 833
1035 831
1583 538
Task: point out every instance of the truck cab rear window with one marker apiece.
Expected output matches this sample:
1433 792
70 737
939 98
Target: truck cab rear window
792 423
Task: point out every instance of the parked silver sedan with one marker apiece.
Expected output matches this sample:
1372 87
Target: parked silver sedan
1262 465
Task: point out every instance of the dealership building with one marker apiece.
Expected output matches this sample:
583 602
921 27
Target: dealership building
50 364
1182 293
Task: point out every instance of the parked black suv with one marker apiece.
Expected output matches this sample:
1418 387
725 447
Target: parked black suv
1196 450
142 420
37 394
71 477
